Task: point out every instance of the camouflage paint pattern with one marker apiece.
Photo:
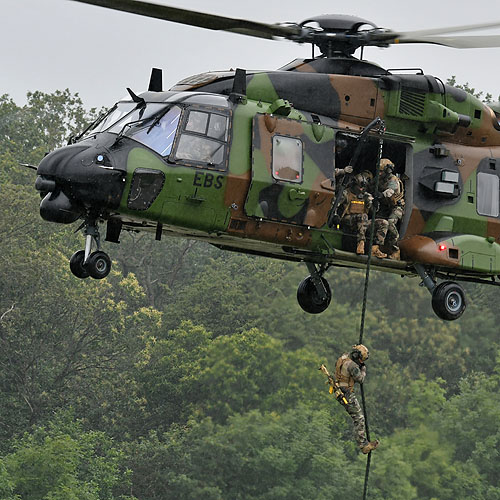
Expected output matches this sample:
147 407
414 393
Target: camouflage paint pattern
436 131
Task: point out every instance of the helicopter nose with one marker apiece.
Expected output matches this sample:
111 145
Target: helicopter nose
76 179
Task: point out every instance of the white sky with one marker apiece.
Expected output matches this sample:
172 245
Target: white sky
57 44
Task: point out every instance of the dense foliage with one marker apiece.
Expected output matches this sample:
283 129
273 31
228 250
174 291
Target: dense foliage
193 373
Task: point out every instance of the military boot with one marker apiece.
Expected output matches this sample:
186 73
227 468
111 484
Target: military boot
376 252
395 255
360 249
369 446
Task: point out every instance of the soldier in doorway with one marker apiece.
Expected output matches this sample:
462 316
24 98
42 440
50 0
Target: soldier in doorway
354 209
390 211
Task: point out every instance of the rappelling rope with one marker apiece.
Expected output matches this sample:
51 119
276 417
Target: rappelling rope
381 132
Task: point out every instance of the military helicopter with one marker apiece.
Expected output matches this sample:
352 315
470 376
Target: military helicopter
246 160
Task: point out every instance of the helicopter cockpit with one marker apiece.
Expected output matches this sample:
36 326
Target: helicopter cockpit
154 125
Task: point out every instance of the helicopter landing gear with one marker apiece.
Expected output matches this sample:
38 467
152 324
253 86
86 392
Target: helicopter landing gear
448 298
85 263
314 294
76 265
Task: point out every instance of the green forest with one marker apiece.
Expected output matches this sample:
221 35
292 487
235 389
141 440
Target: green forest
192 373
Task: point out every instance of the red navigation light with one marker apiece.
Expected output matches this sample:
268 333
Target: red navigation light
442 247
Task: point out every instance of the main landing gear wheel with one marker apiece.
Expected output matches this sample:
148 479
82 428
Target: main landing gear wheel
309 298
76 265
448 300
99 265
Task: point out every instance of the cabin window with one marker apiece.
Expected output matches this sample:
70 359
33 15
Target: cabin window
203 140
487 194
146 186
287 158
158 133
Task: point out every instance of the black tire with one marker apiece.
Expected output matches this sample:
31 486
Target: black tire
308 297
448 300
76 265
99 265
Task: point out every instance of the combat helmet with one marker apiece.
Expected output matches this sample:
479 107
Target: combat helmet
367 175
361 352
386 163
360 180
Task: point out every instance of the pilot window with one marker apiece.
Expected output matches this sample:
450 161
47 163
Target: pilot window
287 159
146 186
159 133
487 194
137 118
116 113
203 139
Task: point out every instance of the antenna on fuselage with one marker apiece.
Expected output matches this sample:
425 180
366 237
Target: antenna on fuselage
239 89
156 80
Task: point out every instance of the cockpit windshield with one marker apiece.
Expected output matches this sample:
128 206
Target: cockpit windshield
123 113
117 112
142 112
159 133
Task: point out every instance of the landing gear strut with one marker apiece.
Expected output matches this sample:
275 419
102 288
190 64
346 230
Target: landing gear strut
85 263
314 294
448 298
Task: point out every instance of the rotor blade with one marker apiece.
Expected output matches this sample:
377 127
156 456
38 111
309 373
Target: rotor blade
453 29
200 19
458 42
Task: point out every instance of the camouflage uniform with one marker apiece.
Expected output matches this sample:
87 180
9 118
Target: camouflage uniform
347 372
390 212
355 207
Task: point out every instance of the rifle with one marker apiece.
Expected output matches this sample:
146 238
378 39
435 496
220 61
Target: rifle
334 387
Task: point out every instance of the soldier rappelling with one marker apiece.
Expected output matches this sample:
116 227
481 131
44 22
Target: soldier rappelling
349 369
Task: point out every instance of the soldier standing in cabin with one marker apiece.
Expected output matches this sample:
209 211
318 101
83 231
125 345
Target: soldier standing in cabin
390 211
349 369
354 210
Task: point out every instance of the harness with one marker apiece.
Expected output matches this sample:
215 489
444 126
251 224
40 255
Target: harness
342 374
354 205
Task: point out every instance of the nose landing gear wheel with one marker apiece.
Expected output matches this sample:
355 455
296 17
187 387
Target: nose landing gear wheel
309 298
76 265
448 300
99 265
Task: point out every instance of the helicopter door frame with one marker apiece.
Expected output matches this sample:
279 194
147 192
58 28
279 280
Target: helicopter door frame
194 194
291 160
199 132
398 149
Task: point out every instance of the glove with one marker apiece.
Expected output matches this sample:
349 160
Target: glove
388 193
348 169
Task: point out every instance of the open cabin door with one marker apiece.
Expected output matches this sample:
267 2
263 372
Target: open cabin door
292 171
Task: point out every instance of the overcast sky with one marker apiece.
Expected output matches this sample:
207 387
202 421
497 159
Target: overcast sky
57 44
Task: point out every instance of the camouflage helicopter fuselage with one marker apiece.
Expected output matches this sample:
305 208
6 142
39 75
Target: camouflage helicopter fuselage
441 138
272 187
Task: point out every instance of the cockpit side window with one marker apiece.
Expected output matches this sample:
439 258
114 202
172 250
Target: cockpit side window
203 141
146 186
